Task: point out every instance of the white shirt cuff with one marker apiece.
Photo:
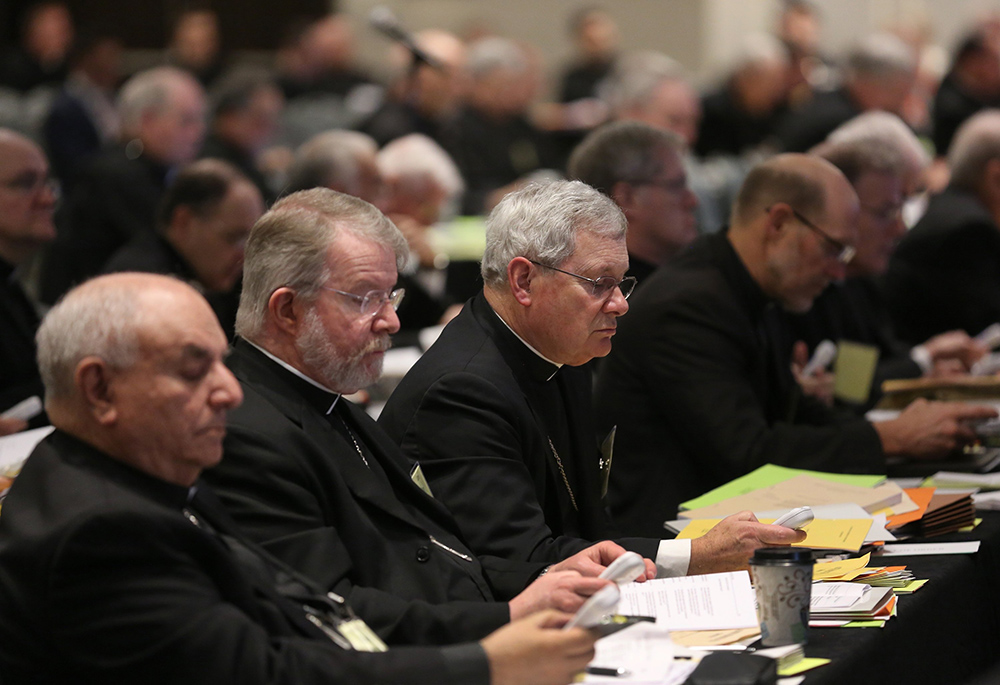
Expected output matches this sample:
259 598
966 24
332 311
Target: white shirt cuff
922 357
673 558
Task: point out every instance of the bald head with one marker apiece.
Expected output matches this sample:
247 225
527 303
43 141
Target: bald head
132 364
27 199
802 181
794 227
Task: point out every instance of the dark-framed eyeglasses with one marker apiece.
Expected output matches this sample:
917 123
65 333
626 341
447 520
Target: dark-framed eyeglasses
836 249
371 303
602 286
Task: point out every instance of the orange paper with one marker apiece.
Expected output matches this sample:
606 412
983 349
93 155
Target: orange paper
921 497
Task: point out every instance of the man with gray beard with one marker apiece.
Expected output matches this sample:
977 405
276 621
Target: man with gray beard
316 481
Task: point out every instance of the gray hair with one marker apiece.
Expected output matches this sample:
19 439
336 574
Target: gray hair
540 222
622 151
487 55
885 127
635 78
881 57
149 91
330 159
89 321
976 143
288 247
416 155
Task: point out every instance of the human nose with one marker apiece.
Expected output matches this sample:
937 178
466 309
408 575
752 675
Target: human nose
616 304
386 320
227 393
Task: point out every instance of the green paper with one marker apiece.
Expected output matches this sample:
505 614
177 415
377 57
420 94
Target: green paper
770 474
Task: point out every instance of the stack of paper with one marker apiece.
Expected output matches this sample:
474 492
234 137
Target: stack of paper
851 602
946 513
858 571
802 490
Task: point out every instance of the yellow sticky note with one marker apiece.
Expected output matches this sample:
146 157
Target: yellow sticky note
806 664
825 570
820 533
854 370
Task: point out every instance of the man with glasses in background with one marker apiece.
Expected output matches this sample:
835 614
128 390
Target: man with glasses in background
700 384
872 155
641 168
27 201
498 410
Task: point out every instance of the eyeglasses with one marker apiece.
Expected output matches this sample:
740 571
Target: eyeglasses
602 286
884 214
31 183
841 252
371 303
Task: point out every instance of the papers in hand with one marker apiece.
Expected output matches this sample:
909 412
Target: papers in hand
706 602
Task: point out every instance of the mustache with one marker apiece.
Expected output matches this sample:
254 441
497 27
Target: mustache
380 344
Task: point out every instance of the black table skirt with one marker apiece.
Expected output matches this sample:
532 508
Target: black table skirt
947 632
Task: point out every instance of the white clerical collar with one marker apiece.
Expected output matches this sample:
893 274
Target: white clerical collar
526 344
301 375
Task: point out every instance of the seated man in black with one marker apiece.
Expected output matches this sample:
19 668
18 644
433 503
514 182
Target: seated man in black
945 273
201 230
641 168
498 410
27 200
874 152
312 477
699 383
118 565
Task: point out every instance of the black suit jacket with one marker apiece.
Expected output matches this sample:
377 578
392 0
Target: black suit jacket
103 579
19 377
150 252
292 478
945 273
854 311
700 387
477 411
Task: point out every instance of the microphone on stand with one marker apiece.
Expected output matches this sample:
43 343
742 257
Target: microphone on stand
385 22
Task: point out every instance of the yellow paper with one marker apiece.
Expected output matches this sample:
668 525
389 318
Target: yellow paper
829 570
853 371
820 533
910 587
806 664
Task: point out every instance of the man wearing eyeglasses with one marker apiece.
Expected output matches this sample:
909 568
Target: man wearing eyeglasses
641 168
315 480
873 156
498 410
699 383
27 201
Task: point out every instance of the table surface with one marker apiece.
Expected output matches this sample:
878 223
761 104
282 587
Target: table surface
947 632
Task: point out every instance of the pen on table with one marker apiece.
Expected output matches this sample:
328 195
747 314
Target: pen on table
611 672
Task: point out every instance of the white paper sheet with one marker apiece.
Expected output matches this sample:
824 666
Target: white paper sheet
645 649
705 602
919 549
